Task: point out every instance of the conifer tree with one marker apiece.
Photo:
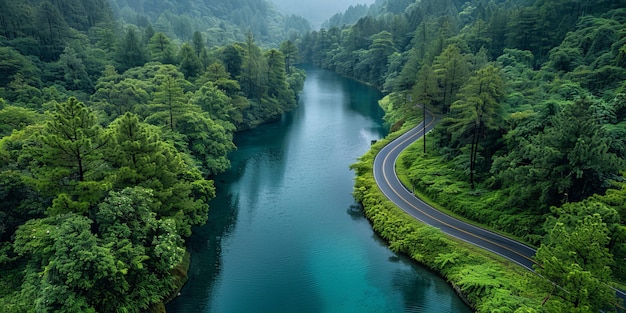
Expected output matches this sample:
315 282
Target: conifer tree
169 101
277 86
251 78
52 31
131 52
290 51
76 76
477 112
71 151
451 70
161 49
190 64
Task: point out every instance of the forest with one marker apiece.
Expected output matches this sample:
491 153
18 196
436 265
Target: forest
114 117
530 142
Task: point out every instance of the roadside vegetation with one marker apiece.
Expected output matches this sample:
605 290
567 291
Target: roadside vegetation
486 281
531 97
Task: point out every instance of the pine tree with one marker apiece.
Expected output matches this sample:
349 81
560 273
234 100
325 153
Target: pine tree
161 49
251 78
290 51
277 86
70 156
76 76
169 101
130 52
52 31
451 70
198 43
477 111
190 64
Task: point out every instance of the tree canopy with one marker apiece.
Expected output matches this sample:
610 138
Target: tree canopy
113 120
530 96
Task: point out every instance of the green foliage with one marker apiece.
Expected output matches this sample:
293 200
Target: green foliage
211 99
190 64
70 155
489 285
569 159
130 52
575 260
208 141
541 127
169 101
16 118
476 115
161 49
109 195
116 95
124 265
76 77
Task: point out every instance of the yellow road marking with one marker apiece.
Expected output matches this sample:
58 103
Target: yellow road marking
430 216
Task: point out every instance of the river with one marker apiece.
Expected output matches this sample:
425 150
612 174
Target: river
284 233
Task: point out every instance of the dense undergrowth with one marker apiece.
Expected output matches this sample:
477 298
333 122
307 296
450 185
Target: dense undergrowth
488 282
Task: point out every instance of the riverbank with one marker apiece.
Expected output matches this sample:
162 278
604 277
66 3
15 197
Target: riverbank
486 281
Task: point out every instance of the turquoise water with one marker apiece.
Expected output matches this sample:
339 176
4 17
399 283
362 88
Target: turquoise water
284 233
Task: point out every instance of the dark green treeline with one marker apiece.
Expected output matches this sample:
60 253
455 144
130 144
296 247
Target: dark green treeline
113 119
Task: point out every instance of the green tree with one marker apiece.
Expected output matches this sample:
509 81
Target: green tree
190 64
208 142
161 49
130 52
76 77
197 43
19 200
568 160
451 69
290 51
169 101
140 157
71 152
52 31
575 262
115 98
70 260
127 224
16 118
424 92
380 49
425 88
105 37
216 103
12 63
251 77
232 56
477 112
277 86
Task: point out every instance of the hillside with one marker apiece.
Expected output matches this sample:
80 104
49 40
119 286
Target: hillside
113 122
531 96
222 21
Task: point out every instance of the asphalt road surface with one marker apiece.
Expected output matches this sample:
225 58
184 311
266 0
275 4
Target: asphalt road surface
389 183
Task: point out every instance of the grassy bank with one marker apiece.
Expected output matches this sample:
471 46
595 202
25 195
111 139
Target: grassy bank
488 282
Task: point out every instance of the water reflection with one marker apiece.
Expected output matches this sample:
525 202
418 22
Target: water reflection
284 233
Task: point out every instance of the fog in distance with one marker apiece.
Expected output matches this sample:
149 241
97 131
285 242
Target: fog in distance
317 11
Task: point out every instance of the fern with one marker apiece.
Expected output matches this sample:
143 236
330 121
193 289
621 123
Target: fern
443 259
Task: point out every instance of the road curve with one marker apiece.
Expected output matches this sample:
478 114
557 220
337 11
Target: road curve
390 185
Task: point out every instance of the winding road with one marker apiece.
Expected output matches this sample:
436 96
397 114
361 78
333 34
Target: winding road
389 183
